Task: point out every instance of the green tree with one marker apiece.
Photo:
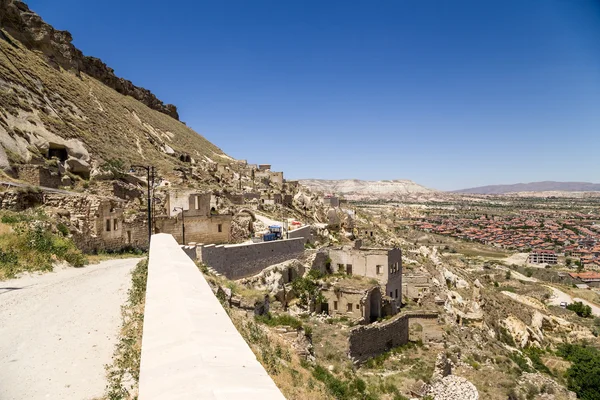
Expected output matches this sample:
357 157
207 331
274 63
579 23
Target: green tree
583 376
580 309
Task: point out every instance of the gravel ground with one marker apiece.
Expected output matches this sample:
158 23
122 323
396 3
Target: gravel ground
58 330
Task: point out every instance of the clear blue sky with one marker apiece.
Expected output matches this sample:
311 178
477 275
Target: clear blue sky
450 94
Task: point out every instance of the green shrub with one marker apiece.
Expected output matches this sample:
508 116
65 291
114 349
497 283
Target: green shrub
583 376
33 247
62 228
279 320
580 309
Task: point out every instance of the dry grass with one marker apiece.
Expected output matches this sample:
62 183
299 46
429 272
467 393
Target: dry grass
289 372
124 372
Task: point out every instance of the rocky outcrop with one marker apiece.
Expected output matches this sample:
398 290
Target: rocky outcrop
30 29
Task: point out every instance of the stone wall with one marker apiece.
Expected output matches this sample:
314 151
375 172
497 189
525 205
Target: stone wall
39 176
302 232
238 261
371 340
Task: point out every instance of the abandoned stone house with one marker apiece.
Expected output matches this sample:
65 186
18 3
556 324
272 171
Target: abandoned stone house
361 301
98 223
384 265
202 224
331 201
365 231
414 287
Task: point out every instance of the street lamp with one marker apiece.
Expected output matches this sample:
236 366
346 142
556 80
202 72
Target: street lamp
182 222
150 174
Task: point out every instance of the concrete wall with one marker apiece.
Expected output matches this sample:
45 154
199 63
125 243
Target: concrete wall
190 347
238 261
371 340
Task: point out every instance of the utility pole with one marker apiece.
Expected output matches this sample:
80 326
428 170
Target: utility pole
182 223
150 182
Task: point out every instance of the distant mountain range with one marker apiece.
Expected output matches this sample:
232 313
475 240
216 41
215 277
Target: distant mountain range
354 189
546 186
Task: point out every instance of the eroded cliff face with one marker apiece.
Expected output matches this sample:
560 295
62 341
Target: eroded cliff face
30 29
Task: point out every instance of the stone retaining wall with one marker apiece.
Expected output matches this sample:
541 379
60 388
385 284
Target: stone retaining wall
238 261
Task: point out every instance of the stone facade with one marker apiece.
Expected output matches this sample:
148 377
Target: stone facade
415 286
359 304
385 265
238 261
201 225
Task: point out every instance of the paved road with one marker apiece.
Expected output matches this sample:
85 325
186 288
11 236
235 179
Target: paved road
58 330
560 296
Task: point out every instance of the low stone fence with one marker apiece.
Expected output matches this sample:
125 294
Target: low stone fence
237 261
368 341
190 347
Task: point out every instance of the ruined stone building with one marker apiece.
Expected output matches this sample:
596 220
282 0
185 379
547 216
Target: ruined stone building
201 224
384 265
414 287
357 300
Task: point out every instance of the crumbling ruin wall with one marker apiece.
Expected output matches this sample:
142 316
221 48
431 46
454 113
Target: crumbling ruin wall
371 340
199 229
38 176
242 260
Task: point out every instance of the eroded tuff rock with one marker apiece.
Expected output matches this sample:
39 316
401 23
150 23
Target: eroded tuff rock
30 29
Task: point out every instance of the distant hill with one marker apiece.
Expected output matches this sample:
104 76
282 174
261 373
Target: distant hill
546 186
354 189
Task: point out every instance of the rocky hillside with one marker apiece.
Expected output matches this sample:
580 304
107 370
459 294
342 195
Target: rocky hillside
354 189
29 28
55 99
546 186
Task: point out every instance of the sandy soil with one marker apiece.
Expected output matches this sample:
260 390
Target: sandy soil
58 330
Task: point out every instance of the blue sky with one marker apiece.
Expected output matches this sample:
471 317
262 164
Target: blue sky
450 94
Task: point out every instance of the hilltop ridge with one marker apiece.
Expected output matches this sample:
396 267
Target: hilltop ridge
55 99
356 189
545 186
30 29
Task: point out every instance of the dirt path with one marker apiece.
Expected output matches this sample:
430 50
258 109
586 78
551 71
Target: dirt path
58 330
560 296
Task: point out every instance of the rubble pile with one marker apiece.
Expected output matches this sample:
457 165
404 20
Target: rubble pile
453 388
